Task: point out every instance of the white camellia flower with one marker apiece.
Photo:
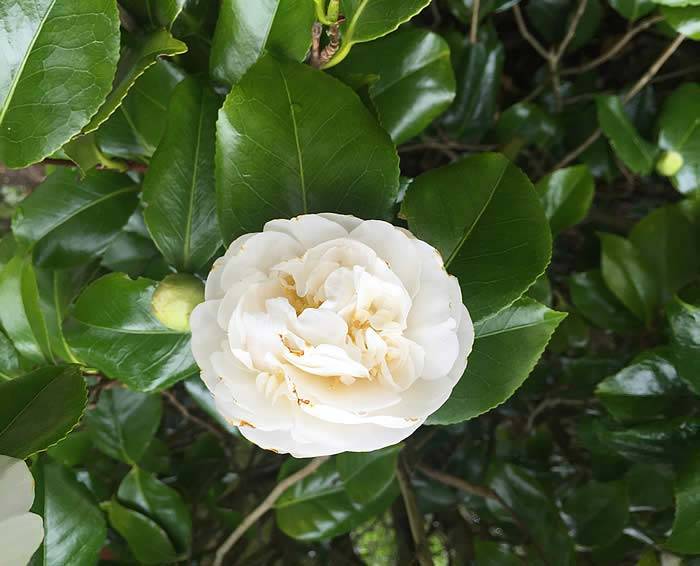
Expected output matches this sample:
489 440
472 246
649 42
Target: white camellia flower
21 532
326 333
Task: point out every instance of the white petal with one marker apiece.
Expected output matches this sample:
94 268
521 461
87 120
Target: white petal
441 347
16 487
434 301
20 537
214 289
281 441
207 335
347 221
309 229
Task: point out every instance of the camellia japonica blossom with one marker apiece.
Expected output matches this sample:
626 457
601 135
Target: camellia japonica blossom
21 532
326 333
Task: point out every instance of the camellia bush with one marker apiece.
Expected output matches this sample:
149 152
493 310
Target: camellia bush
344 282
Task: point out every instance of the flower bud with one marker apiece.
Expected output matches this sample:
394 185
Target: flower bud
175 298
669 163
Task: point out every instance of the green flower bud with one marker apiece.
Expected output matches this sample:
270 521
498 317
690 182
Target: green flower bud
669 163
175 298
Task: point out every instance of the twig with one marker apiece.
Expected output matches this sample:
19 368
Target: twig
415 517
315 55
588 142
474 30
571 31
189 416
550 404
527 35
130 165
265 506
615 49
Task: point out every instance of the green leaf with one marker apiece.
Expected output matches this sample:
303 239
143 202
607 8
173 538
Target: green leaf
135 255
74 526
74 450
684 319
147 541
20 312
685 533
643 389
667 241
84 151
414 82
633 9
142 492
595 301
291 140
138 54
552 18
124 422
136 127
678 3
679 131
685 20
245 31
522 492
628 276
9 358
484 217
566 195
60 60
113 328
155 13
179 192
68 222
39 409
598 511
331 501
366 20
490 553
634 151
521 125
505 351
478 69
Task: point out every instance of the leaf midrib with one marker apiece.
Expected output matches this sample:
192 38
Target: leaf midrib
187 244
300 160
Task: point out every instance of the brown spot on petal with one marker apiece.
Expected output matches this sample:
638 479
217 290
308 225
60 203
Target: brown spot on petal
244 424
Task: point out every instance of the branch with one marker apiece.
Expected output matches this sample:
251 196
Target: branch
415 518
474 30
572 30
265 506
528 36
129 165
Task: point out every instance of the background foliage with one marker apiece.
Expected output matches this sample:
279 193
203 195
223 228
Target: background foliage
549 149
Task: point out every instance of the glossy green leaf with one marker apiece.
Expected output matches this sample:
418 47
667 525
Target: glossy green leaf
628 276
505 351
551 19
138 54
124 422
478 70
74 526
9 359
40 408
278 155
179 192
245 31
598 511
667 241
74 450
84 151
684 319
413 79
521 125
142 492
136 255
331 501
643 389
489 553
148 542
521 491
155 13
677 3
634 151
135 129
20 311
679 131
113 328
633 9
566 195
685 533
366 20
68 222
45 100
484 217
685 20
595 301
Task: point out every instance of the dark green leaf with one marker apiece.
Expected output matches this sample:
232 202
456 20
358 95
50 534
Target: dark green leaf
124 422
245 31
60 61
633 9
521 125
73 450
684 319
9 359
551 19
506 349
414 82
179 191
595 301
39 409
281 152
598 511
685 534
142 492
685 20
67 222
486 220
566 195
634 151
628 276
113 328
155 13
74 526
643 389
